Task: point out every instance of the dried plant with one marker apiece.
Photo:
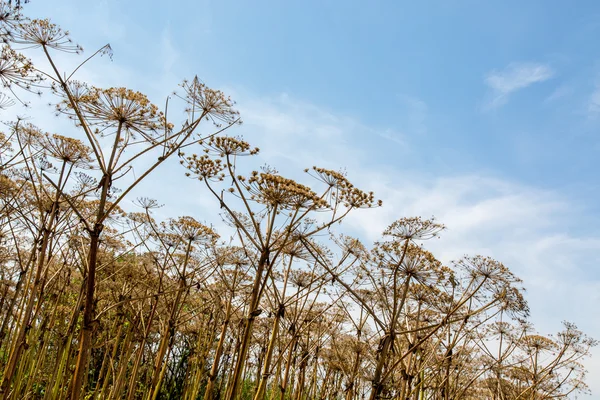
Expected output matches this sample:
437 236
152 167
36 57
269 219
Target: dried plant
102 298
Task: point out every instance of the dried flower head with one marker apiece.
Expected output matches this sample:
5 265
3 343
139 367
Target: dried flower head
277 191
138 218
421 293
353 246
487 268
75 91
29 134
209 103
231 255
329 177
292 247
10 17
512 300
190 230
414 228
356 198
41 32
114 107
408 262
5 147
499 328
204 167
66 149
16 70
342 190
85 182
537 343
147 203
302 279
229 146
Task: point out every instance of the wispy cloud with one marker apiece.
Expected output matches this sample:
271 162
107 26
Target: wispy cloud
594 102
516 76
169 53
559 93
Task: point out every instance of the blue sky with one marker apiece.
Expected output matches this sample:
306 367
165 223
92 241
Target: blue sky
485 114
392 65
378 62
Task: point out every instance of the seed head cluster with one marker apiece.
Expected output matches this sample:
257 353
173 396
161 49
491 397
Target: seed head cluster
229 146
204 167
118 107
67 149
277 191
210 103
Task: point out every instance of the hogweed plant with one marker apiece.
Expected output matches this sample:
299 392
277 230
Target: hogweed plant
101 299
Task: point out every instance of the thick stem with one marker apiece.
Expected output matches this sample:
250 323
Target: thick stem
85 337
248 325
266 372
214 370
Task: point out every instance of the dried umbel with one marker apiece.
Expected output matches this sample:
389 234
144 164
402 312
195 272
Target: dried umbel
147 203
41 32
89 209
303 279
572 336
138 218
209 103
85 182
408 262
44 202
414 228
538 343
486 268
43 164
293 245
17 70
190 230
512 300
66 149
277 191
342 191
29 135
74 91
356 198
422 294
329 177
369 296
353 246
10 17
204 167
231 255
499 328
117 107
228 146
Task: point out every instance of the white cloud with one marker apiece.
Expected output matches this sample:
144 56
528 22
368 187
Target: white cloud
516 76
